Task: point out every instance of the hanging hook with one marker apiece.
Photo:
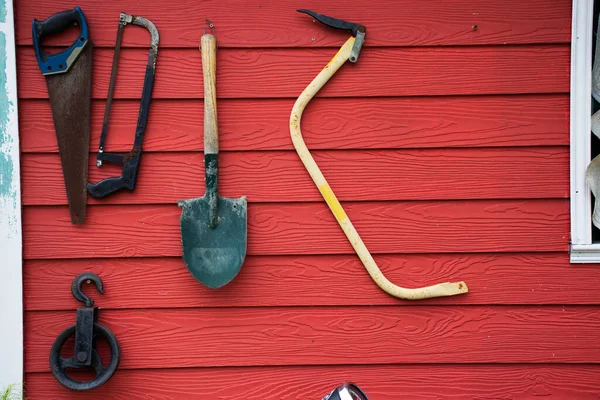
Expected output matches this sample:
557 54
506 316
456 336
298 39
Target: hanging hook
209 25
77 290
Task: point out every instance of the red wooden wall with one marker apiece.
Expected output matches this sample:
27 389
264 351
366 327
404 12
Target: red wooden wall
447 144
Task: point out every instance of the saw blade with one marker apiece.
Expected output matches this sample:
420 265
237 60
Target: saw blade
70 99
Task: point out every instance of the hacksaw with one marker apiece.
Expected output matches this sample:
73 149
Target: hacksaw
69 81
130 160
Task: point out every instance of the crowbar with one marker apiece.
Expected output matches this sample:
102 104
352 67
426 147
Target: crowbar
350 50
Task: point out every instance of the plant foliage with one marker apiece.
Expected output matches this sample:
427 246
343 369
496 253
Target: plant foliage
12 392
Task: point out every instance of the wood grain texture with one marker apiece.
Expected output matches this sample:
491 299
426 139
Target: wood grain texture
314 281
303 315
419 382
255 24
309 228
329 123
438 71
354 175
208 48
313 336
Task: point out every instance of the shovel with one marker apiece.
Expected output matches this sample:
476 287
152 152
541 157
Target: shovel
213 228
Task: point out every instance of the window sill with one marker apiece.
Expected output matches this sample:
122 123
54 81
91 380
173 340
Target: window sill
585 253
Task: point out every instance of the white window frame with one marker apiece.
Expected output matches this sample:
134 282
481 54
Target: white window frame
582 248
11 260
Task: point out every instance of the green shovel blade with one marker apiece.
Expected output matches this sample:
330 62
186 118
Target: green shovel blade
214 256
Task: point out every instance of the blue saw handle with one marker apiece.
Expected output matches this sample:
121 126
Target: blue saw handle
60 62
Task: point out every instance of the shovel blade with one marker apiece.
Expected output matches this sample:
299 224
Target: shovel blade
214 256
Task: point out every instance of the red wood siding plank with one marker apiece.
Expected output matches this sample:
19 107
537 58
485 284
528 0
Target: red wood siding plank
309 228
253 24
314 281
356 175
381 72
348 123
462 382
309 336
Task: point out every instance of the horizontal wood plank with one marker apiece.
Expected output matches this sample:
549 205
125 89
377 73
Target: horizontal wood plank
313 336
309 228
255 24
314 281
354 175
338 123
380 72
383 382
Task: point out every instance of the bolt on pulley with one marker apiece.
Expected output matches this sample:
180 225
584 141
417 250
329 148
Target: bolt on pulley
130 160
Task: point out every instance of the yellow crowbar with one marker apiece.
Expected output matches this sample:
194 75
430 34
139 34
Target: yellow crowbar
350 50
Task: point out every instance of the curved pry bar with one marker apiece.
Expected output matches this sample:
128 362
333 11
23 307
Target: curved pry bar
131 160
439 290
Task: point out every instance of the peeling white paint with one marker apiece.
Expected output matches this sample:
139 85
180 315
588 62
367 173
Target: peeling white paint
11 291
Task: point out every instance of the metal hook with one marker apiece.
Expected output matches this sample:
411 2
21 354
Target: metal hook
76 287
209 25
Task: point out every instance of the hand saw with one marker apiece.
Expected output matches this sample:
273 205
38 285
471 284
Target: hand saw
69 81
131 160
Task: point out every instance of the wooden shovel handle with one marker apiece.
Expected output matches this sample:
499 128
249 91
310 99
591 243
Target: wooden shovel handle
208 47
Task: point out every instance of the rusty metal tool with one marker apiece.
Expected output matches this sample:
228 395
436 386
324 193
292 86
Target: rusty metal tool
69 81
213 228
86 332
350 50
131 160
